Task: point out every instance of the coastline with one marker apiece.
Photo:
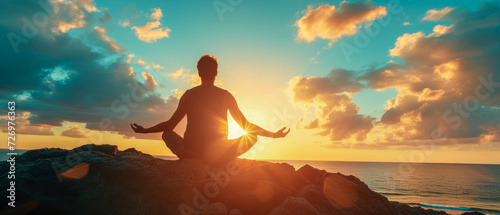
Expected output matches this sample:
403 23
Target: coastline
138 155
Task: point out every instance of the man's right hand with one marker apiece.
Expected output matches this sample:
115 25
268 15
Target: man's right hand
137 128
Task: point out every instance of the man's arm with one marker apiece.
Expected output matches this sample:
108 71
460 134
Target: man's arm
168 125
249 127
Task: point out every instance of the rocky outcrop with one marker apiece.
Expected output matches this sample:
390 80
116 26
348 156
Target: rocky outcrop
99 179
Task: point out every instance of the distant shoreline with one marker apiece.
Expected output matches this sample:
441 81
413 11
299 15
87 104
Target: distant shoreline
169 157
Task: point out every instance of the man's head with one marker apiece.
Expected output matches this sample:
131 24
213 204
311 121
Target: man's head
207 67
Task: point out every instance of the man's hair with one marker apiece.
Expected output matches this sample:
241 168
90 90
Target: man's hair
207 66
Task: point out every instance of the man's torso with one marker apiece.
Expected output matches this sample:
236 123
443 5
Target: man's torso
206 109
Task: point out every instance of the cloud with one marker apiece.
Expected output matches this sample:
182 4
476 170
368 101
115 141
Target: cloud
157 14
192 79
104 18
179 73
125 23
150 81
101 33
406 23
338 81
178 93
436 15
131 13
69 15
336 115
74 131
23 125
87 4
66 79
330 23
141 62
156 66
130 56
447 83
151 31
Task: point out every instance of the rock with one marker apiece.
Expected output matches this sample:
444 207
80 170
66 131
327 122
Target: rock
217 208
312 174
472 213
235 212
295 206
99 179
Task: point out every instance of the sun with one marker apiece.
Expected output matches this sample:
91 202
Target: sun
234 130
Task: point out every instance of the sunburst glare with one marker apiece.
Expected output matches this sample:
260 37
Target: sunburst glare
234 130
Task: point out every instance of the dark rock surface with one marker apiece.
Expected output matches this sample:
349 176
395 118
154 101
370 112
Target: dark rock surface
99 179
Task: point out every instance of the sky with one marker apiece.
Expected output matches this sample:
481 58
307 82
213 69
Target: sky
387 81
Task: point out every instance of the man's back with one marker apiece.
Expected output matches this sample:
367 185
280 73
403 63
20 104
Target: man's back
206 107
206 110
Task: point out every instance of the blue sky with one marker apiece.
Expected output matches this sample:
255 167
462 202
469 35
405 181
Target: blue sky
264 33
408 69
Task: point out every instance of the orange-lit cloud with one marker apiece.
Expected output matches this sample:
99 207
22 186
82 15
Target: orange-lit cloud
328 22
150 32
149 81
68 15
141 62
436 15
178 93
23 125
88 5
184 74
101 33
157 14
74 131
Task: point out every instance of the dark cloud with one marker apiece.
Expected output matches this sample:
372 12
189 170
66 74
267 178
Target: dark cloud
63 78
104 18
337 115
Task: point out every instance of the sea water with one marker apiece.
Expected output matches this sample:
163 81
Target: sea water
454 188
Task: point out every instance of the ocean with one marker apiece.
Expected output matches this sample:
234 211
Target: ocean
454 188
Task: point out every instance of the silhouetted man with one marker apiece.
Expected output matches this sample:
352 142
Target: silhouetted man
206 135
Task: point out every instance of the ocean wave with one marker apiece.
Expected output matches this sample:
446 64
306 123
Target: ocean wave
391 194
449 207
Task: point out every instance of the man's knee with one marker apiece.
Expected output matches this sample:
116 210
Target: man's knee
170 136
165 136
